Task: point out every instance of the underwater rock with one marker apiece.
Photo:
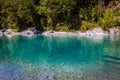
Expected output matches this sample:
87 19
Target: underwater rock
11 72
44 76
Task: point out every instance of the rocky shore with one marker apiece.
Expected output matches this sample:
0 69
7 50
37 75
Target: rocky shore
32 31
94 32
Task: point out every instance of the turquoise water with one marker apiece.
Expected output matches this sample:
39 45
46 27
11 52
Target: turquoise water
80 57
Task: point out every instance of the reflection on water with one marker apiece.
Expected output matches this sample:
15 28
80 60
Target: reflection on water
51 49
60 54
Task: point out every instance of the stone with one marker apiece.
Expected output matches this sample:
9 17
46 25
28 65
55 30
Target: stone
32 31
48 33
60 33
11 72
1 33
44 76
114 31
51 31
71 34
81 33
96 31
27 33
38 32
8 33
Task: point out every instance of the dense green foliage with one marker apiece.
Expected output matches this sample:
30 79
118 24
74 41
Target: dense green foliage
59 15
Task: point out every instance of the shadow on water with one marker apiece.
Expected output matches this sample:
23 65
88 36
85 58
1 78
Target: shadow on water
112 59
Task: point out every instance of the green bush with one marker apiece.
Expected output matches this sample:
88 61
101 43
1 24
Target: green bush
111 18
62 28
88 25
47 28
109 23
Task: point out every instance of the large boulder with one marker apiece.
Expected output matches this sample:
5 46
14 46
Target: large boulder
96 31
38 31
114 31
97 34
9 33
29 32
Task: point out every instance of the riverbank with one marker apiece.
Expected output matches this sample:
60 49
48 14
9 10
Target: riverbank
32 31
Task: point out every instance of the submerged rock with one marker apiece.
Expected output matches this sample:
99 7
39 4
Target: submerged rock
11 72
44 76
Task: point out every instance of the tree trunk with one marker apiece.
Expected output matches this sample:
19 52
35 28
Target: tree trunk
101 5
54 22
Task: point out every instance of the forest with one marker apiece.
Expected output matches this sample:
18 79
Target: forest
59 15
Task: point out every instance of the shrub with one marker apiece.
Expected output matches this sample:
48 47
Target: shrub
109 23
88 25
111 18
47 28
62 28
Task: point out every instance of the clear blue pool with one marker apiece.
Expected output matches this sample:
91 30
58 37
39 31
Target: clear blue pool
64 58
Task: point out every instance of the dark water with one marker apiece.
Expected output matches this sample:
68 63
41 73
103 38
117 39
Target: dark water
60 58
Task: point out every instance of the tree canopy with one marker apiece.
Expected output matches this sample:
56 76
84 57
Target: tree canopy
58 14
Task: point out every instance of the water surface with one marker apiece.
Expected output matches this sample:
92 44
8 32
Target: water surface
65 58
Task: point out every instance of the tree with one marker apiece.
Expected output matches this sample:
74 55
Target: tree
101 5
